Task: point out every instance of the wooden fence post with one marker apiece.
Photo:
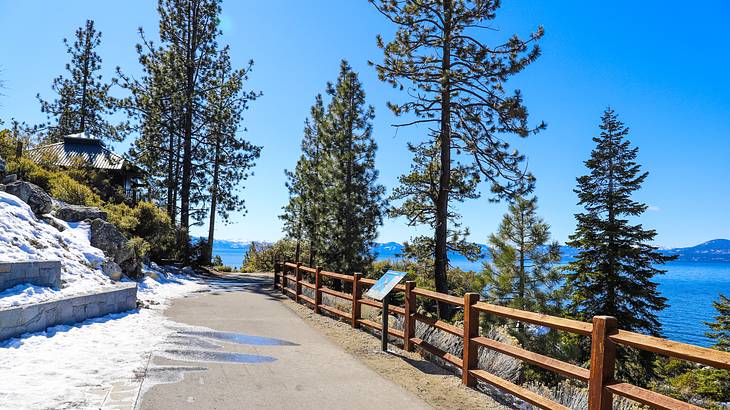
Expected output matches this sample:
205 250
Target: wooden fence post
317 292
298 286
470 358
276 274
409 322
603 360
356 295
283 278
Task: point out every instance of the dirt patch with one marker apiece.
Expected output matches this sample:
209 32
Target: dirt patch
436 386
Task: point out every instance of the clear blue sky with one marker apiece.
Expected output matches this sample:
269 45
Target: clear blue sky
662 65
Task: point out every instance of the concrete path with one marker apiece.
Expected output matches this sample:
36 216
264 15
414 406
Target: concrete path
310 373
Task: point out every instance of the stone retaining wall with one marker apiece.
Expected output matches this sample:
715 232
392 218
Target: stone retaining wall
15 321
40 273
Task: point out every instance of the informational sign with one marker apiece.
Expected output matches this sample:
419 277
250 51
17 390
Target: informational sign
385 284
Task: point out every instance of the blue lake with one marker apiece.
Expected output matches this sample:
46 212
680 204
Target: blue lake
690 287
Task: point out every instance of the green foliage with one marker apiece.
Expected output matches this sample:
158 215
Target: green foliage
148 222
721 326
613 273
335 200
66 189
260 257
416 199
83 102
217 260
456 85
223 268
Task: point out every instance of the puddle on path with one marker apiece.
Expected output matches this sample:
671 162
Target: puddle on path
238 338
212 356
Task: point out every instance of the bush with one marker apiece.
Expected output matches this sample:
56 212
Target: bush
66 189
260 257
223 268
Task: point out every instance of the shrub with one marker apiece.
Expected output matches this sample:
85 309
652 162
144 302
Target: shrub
66 189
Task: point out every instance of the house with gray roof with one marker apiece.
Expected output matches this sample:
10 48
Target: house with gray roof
88 152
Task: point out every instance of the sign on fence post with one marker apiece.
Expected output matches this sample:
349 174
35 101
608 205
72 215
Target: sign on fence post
381 291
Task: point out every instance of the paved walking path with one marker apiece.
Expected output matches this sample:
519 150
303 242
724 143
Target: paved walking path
309 373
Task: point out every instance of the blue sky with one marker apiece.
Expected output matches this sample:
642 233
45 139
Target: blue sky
661 65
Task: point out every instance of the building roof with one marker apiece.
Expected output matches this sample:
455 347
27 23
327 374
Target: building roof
79 149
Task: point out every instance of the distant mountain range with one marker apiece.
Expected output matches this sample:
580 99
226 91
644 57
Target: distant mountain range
717 250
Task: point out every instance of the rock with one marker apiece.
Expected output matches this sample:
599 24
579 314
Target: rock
2 166
106 236
9 179
111 269
39 201
2 187
53 222
76 213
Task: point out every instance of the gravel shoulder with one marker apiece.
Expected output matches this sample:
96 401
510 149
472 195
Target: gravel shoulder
438 387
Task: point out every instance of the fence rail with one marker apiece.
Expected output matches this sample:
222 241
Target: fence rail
603 331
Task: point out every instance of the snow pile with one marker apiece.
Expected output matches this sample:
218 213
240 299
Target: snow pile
25 238
65 365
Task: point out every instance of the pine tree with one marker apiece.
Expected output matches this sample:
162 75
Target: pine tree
416 199
174 104
353 198
614 270
721 326
83 103
302 213
230 157
457 85
523 273
335 201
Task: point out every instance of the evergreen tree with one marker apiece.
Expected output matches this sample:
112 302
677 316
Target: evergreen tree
457 86
721 326
83 102
523 275
614 270
175 105
335 202
353 198
230 157
306 188
416 199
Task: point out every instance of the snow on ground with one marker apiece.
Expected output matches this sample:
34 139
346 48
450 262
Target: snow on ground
59 368
25 238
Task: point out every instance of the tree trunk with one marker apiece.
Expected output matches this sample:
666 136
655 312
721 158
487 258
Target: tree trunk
187 160
213 200
84 84
442 201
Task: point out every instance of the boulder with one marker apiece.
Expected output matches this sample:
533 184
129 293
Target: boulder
111 269
76 213
106 236
39 201
53 222
9 179
2 166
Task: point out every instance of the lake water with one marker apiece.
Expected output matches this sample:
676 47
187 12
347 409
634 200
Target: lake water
690 287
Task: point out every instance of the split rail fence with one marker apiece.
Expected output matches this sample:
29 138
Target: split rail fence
603 331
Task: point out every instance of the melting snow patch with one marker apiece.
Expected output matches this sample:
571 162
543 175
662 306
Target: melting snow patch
25 238
59 367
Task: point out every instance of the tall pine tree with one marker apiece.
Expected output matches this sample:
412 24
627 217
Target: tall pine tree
82 103
614 271
302 213
230 157
335 201
457 85
353 197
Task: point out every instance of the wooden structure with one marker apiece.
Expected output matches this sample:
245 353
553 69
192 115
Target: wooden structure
603 332
88 152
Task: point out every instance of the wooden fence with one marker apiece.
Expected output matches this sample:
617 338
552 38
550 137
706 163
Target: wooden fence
603 331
